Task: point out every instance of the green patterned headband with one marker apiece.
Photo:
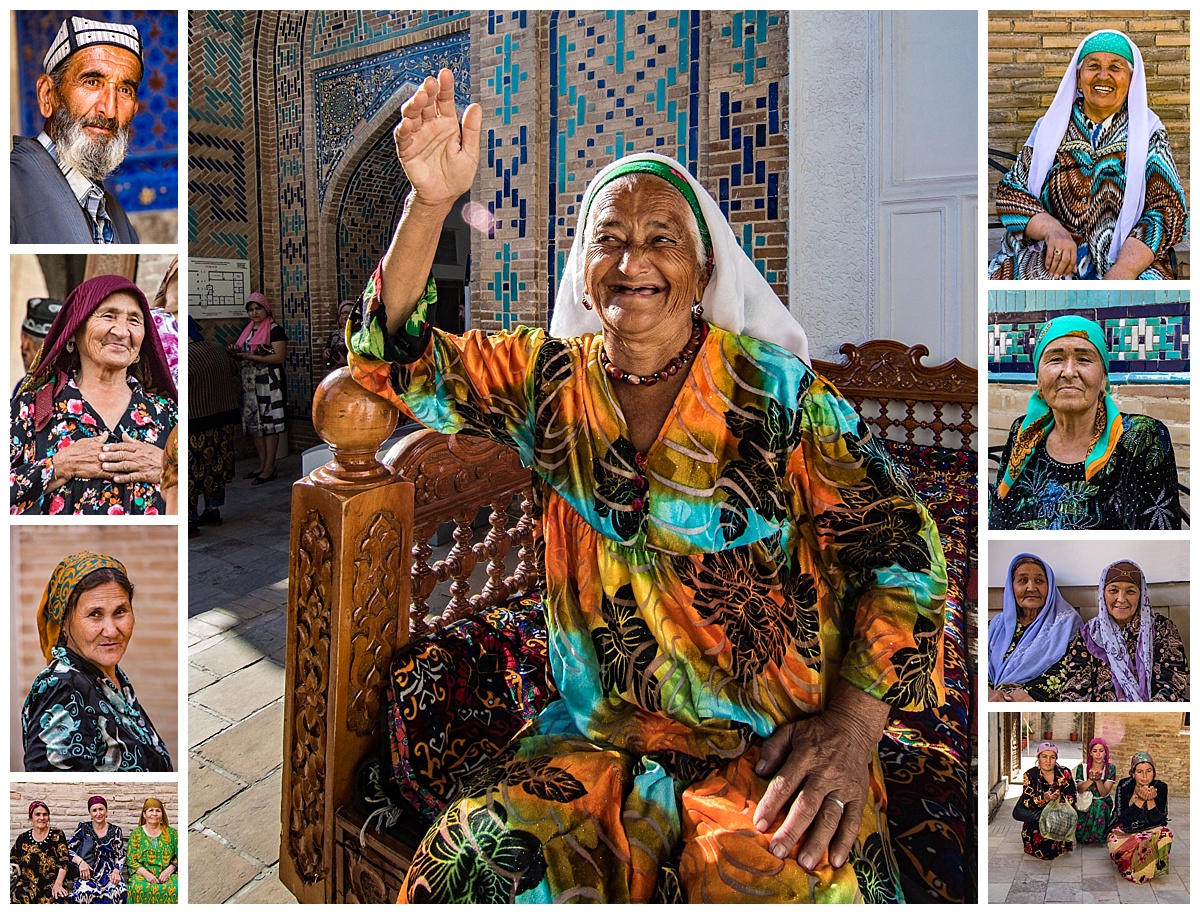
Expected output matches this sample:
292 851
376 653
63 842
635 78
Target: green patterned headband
676 180
1107 43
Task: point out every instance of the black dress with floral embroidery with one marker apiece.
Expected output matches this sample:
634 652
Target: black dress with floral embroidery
149 418
1046 685
1137 489
34 866
1088 678
1034 797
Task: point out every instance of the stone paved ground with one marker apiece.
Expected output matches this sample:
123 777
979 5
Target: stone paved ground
237 593
1086 875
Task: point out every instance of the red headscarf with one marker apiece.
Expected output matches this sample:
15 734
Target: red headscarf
260 335
48 374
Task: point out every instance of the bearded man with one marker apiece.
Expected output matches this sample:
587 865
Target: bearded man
88 96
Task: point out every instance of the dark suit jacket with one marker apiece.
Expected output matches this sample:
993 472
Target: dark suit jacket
43 207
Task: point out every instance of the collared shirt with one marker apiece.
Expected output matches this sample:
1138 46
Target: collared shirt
89 195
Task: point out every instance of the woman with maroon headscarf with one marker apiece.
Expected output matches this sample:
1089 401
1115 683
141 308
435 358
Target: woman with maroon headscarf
91 416
262 348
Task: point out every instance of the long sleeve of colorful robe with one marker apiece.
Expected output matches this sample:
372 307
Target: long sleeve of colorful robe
698 596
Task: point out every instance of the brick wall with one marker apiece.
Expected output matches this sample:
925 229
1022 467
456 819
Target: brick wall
152 660
1161 734
1028 51
68 803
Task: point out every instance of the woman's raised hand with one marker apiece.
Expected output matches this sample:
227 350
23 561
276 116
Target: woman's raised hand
439 157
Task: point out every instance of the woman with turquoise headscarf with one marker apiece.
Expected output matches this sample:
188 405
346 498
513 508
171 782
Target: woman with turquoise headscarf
738 582
1074 461
1094 193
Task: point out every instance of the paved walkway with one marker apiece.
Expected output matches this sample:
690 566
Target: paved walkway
237 592
1086 875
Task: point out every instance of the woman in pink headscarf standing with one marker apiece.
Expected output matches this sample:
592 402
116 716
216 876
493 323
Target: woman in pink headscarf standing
262 348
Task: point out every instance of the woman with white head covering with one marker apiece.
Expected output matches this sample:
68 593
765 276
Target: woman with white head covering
739 584
1094 193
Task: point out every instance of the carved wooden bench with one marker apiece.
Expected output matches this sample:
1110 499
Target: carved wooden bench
359 588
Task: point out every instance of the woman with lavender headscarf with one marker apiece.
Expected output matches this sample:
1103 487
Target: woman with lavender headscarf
1127 652
1028 640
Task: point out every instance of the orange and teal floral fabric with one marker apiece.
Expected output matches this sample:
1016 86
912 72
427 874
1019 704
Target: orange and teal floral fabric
697 597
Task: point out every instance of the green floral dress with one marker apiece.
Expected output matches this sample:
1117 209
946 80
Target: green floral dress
154 855
1094 821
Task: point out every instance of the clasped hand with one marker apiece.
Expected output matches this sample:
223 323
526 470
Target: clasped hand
127 460
1146 793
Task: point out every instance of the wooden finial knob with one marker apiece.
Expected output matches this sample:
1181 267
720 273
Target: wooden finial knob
354 423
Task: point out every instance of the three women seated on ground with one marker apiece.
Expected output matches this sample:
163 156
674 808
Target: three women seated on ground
1131 819
1039 648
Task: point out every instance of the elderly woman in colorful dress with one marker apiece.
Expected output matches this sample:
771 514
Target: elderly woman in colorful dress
93 412
38 861
739 583
1096 775
1127 652
1074 461
1028 641
1140 842
1044 783
1094 194
81 713
153 857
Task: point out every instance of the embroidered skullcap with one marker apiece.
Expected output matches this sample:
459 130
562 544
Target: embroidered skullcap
1106 43
39 315
92 801
77 33
1124 571
67 575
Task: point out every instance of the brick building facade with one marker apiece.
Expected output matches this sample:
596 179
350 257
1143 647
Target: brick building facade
292 164
68 803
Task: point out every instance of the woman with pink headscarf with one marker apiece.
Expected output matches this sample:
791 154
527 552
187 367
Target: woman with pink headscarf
91 416
1096 775
262 348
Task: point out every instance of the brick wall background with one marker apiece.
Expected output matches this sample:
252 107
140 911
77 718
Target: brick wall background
68 803
152 659
291 163
1162 734
1029 50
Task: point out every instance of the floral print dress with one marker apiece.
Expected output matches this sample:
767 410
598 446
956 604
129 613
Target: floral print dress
35 865
698 596
1094 821
150 418
1088 678
155 855
1034 797
1137 489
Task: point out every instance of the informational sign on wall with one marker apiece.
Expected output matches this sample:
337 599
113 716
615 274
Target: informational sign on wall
217 287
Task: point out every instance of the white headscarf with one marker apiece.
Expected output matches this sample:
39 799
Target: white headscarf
738 298
1049 130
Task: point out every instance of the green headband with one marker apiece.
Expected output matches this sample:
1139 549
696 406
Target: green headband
676 180
1070 325
1107 43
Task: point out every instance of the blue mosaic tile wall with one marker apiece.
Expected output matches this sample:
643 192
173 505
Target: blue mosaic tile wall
148 179
336 32
1144 338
